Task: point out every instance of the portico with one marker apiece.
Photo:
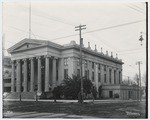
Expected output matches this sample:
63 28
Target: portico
34 72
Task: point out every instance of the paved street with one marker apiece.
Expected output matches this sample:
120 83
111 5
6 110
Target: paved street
72 109
10 114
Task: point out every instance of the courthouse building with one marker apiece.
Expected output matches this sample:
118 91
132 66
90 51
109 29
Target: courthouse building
39 65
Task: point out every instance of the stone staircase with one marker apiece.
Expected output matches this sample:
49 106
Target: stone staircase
28 95
13 95
24 95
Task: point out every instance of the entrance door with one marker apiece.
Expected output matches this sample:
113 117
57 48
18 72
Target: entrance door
110 94
129 94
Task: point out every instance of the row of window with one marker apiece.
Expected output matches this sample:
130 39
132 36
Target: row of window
99 75
85 63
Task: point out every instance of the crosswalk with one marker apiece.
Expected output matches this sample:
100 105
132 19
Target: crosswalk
41 115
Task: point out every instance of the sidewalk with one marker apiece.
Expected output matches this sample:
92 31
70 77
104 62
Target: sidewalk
75 101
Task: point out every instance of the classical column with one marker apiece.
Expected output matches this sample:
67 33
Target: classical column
54 72
60 69
90 70
96 76
39 75
25 75
102 73
112 75
107 74
13 77
32 75
117 76
18 76
70 66
46 73
121 76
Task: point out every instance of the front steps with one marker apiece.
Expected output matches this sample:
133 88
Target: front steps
24 95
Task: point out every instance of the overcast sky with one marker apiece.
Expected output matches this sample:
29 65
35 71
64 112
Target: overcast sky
115 27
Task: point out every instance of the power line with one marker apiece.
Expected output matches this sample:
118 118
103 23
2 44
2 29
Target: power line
53 18
127 76
115 26
26 31
130 50
135 9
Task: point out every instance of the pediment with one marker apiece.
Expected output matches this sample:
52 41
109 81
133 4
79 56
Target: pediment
25 44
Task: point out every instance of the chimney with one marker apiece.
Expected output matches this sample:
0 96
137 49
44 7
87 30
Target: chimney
89 45
101 50
111 54
106 52
116 56
72 42
95 49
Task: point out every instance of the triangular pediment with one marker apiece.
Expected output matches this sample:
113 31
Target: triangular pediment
26 44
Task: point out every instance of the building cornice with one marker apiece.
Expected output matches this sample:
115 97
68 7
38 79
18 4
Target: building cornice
44 43
98 54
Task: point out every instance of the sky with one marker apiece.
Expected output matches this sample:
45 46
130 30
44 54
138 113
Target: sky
115 27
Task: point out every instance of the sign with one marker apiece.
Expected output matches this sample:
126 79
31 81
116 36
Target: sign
39 93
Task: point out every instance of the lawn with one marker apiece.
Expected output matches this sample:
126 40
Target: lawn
100 110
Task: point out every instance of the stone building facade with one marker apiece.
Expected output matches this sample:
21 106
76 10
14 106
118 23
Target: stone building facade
41 65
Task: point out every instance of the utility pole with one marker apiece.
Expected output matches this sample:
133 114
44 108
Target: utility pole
79 28
139 63
30 21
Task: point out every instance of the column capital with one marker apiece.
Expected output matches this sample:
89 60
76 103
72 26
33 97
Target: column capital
18 61
31 58
12 61
39 57
24 60
55 58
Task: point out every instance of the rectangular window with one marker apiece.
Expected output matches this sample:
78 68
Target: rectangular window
92 65
99 67
105 78
85 64
114 76
65 61
78 61
110 76
99 77
93 76
104 67
65 73
78 72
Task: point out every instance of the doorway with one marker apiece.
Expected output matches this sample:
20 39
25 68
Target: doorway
110 94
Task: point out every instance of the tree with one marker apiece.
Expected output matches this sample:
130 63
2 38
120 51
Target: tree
144 79
94 92
57 92
72 87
